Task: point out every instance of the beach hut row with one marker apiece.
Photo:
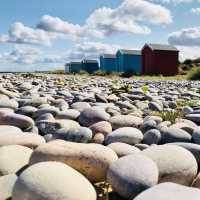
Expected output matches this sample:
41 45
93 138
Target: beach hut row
151 60
87 65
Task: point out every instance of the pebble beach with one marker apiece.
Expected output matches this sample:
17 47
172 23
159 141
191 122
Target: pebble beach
66 137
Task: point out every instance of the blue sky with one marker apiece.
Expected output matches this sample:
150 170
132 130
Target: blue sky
45 34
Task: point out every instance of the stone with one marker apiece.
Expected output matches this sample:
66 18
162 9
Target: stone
81 134
175 135
196 182
141 146
91 160
50 109
175 163
11 103
26 110
69 114
98 138
148 125
120 121
196 136
6 186
29 140
9 129
127 135
103 127
185 126
130 175
17 120
153 136
13 158
155 106
157 119
193 148
194 117
51 126
123 149
55 181
91 116
169 191
80 106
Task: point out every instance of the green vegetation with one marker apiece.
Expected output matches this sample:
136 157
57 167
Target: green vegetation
169 115
83 72
145 89
194 75
183 103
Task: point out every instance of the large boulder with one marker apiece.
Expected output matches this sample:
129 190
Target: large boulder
132 174
193 148
127 135
9 129
120 121
91 116
13 158
175 163
91 160
50 181
169 191
6 186
31 140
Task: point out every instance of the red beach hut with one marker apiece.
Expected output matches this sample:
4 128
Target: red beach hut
160 59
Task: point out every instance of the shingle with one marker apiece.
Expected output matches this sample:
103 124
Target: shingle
162 47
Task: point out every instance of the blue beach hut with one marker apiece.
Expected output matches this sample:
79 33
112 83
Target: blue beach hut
108 63
129 61
90 66
75 67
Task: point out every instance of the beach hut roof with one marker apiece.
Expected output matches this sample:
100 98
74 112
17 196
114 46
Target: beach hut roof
89 61
130 51
109 56
75 63
162 47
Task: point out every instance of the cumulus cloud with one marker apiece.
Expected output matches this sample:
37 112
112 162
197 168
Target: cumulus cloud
21 34
195 10
129 17
23 54
90 50
186 37
188 52
29 55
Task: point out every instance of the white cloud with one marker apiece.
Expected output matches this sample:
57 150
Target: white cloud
21 34
90 50
195 10
186 37
188 52
175 1
131 16
23 54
